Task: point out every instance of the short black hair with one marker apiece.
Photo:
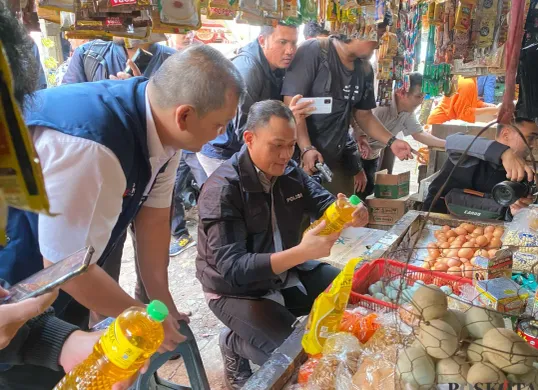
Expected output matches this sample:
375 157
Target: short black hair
313 29
518 120
260 113
18 47
265 31
415 81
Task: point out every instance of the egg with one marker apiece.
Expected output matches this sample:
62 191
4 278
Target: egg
495 243
470 227
498 232
489 229
492 253
442 238
460 231
453 262
481 241
432 245
468 245
466 252
434 253
451 240
464 260
451 234
479 231
454 270
489 236
446 228
440 267
452 253
444 245
482 252
468 271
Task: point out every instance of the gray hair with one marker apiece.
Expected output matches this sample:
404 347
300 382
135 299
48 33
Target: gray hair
261 113
199 76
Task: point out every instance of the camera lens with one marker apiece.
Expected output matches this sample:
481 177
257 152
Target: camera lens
327 101
507 193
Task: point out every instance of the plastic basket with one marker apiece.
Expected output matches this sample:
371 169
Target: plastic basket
371 272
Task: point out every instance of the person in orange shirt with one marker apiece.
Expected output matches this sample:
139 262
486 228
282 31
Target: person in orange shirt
463 105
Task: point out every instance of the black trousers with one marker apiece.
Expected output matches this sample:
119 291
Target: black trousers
370 168
259 326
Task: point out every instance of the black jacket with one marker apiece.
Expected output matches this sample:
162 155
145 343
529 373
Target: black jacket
39 342
480 171
235 238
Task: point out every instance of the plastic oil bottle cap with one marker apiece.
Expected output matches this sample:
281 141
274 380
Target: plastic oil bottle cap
354 200
157 311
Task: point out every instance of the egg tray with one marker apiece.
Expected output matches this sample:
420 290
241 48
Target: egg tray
371 272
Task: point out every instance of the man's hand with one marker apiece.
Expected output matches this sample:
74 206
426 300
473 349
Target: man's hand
309 160
301 110
360 215
360 181
79 345
14 315
401 149
520 205
516 167
125 76
314 246
172 337
364 147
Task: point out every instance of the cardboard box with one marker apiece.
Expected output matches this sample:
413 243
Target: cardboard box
386 211
503 295
500 266
391 186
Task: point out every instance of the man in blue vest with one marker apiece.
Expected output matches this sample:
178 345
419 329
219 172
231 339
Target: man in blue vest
108 151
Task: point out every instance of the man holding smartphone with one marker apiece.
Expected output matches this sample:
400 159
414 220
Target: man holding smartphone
325 138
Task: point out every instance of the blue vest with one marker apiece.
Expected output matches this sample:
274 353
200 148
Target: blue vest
112 113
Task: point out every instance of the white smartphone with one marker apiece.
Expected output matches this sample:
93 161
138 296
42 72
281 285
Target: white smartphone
323 105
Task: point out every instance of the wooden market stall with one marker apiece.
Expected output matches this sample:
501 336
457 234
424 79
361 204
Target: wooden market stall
281 369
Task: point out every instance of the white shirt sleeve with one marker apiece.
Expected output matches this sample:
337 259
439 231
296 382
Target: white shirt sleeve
85 185
160 196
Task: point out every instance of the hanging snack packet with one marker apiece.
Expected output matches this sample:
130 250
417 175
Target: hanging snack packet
308 10
50 15
250 6
463 15
21 180
290 9
58 5
270 6
328 309
248 18
220 13
183 14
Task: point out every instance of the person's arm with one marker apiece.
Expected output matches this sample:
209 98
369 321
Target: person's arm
75 71
429 140
369 123
482 148
489 89
317 198
152 229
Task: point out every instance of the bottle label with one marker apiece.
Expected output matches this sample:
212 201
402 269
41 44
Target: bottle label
117 347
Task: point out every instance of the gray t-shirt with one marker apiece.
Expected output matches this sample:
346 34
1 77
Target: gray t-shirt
394 121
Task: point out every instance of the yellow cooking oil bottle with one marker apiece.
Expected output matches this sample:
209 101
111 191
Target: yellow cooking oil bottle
337 215
125 346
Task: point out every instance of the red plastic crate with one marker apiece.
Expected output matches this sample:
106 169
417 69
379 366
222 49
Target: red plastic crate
371 272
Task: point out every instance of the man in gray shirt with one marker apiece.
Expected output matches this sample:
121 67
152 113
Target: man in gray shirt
398 117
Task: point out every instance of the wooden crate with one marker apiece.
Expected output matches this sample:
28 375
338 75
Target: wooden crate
277 372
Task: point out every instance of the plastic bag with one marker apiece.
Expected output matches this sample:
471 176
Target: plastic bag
306 370
184 14
331 373
328 309
377 370
308 10
362 327
521 233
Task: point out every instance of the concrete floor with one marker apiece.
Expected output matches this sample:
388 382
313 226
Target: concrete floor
189 297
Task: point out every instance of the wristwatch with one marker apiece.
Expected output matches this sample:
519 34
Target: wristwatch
391 141
307 149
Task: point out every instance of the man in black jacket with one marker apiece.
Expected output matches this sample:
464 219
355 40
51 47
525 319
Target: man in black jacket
254 266
487 164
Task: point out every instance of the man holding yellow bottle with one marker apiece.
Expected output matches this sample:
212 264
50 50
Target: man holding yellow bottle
254 263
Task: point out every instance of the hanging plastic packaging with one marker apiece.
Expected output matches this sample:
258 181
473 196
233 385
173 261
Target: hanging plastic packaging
308 10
